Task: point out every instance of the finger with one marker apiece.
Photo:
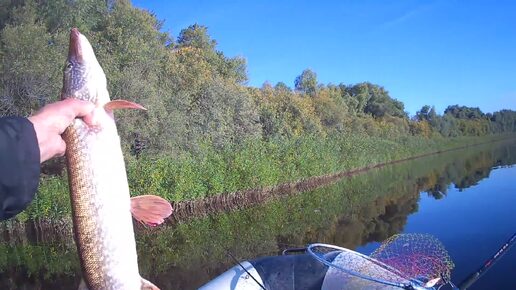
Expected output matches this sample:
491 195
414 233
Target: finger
52 148
77 108
89 120
60 148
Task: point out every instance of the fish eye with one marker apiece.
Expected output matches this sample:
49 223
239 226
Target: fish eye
69 65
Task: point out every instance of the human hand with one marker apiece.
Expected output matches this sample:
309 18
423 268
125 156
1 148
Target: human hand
52 120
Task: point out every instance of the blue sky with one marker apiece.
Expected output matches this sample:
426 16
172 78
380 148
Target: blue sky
423 52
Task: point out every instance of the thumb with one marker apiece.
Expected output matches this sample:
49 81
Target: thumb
78 108
60 147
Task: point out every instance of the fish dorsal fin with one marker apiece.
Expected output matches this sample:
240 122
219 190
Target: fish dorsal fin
146 285
150 210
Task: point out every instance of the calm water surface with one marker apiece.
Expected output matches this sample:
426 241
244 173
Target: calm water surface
472 223
465 198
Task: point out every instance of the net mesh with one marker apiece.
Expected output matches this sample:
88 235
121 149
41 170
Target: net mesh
418 256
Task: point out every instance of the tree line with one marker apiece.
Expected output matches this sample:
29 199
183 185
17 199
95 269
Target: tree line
194 93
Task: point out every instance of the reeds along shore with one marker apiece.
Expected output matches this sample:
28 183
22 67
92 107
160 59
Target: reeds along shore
256 168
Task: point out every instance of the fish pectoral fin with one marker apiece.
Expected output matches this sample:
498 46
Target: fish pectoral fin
150 210
122 104
146 285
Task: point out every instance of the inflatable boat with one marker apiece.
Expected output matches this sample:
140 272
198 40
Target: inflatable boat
404 261
317 267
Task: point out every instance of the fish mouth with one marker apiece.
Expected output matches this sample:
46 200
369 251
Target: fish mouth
75 48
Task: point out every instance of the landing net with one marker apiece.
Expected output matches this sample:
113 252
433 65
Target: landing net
403 261
416 255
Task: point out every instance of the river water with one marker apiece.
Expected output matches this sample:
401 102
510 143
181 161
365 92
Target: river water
465 198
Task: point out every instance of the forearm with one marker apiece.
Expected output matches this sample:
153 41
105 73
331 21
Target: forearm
19 165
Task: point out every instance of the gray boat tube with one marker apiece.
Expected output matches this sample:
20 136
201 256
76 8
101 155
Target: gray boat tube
286 272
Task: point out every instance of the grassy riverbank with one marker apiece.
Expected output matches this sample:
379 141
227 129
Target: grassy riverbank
250 165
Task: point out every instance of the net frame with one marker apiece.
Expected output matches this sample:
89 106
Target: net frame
410 284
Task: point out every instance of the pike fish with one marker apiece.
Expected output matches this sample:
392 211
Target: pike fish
99 191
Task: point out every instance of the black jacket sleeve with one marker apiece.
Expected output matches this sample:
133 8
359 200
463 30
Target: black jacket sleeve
19 165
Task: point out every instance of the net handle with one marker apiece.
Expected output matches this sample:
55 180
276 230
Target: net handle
357 274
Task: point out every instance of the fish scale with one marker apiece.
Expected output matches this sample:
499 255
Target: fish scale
100 208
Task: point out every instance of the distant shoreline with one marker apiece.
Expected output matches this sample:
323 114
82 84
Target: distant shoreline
185 210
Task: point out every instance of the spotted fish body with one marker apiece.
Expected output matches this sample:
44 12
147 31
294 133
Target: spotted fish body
99 191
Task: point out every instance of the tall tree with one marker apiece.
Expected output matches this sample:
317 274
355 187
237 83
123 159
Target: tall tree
306 82
196 36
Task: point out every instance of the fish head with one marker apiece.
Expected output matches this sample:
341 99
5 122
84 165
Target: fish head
83 77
